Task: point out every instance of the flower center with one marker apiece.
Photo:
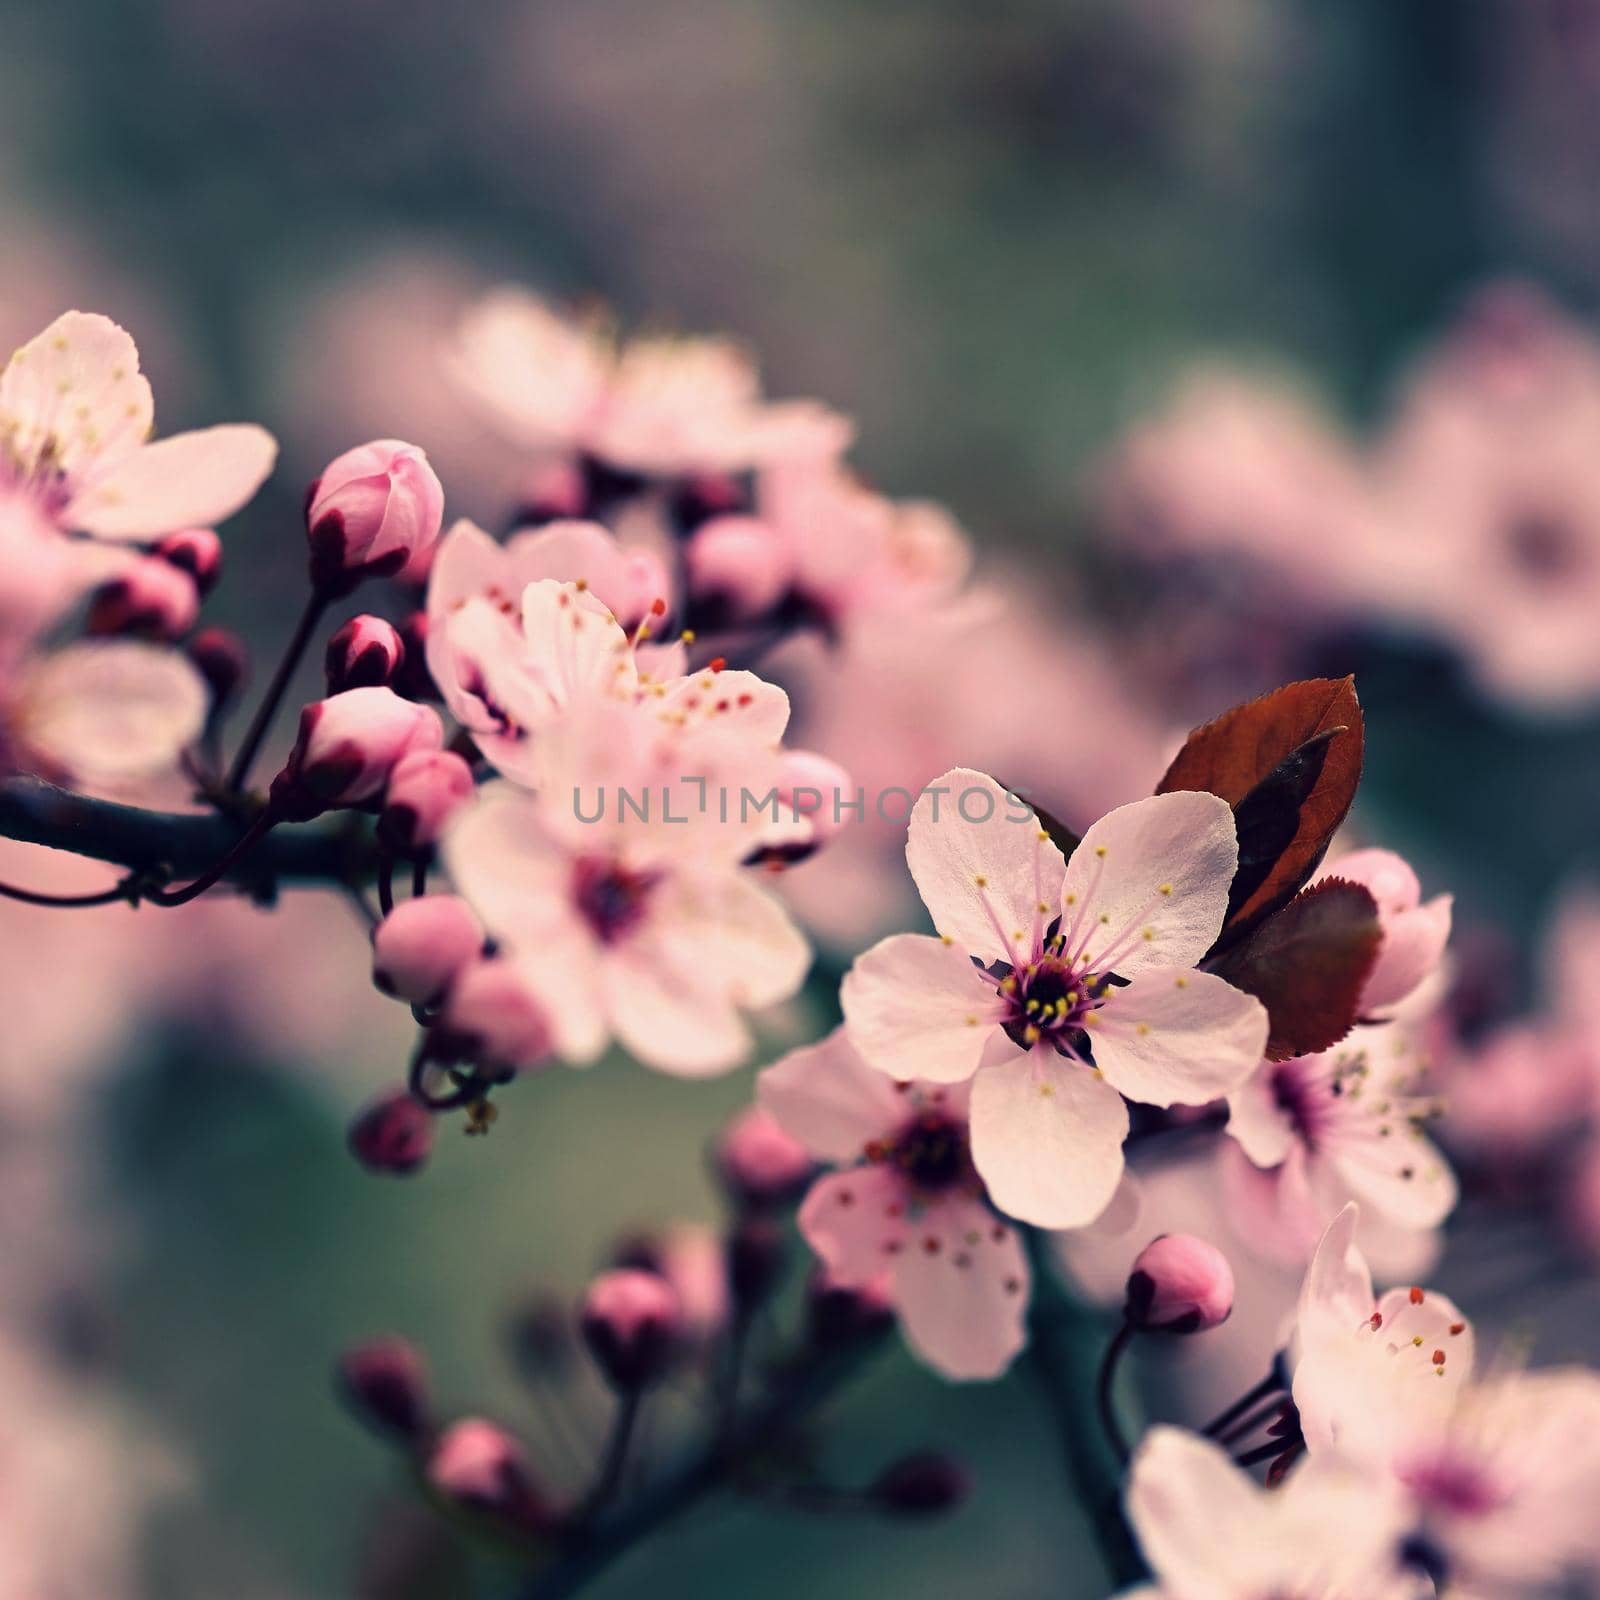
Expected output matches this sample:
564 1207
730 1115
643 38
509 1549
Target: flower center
1458 1487
1544 547
930 1152
1050 999
610 897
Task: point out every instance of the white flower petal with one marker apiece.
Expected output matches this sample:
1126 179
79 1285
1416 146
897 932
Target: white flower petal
829 1099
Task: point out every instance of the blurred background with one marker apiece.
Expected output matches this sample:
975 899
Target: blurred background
1002 236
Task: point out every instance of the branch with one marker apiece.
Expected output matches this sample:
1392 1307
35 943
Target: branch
184 844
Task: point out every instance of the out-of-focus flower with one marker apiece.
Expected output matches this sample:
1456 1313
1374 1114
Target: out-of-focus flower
150 596
631 1324
425 790
737 566
376 511
1518 1096
492 1020
1345 1124
1414 934
1207 1529
420 947
364 653
75 418
759 1163
479 1466
393 1134
1017 989
907 1211
346 748
1179 1284
385 1381
197 551
559 385
220 657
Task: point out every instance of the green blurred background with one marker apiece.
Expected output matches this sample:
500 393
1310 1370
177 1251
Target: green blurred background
990 232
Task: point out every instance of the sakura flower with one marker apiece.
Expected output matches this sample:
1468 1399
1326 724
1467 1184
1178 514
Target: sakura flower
1059 987
1209 1532
618 893
561 386
1414 934
1347 1124
75 418
907 1208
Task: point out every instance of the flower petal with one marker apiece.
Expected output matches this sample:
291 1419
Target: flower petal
667 1016
744 941
983 881
1149 884
1174 1036
1258 1122
1047 1139
829 1099
917 1008
855 1221
190 480
1190 1506
1403 1176
628 581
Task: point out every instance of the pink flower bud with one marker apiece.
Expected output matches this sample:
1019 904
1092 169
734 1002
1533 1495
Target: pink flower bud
492 1020
738 561
150 597
422 944
704 495
197 551
414 680
1179 1284
921 1485
1414 933
478 1465
221 659
393 1135
759 1164
366 653
632 1326
347 746
385 1382
758 1252
426 789
374 512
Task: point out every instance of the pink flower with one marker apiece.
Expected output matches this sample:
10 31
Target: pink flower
632 1326
737 565
618 893
421 946
478 1465
1179 1284
75 418
493 1020
1017 989
426 789
1414 934
346 748
364 653
392 1135
1346 1124
197 551
907 1209
376 511
556 385
1209 1532
759 1163
151 597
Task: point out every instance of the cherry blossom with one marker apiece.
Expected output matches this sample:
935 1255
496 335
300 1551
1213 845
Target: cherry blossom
75 420
906 1206
1059 986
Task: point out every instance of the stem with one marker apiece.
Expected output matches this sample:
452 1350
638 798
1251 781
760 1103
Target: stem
304 628
99 897
1270 1412
1269 1385
386 885
615 1461
1105 1400
252 836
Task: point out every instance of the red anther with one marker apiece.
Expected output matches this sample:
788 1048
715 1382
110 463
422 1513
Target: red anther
1416 1297
716 663
1457 1328
1438 1358
658 607
1377 1320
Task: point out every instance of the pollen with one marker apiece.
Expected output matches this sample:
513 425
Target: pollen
1180 983
1042 836
1416 1339
580 584
687 636
1166 888
1043 906
972 1021
1142 1029
1072 899
981 881
1046 1091
944 938
1100 851
1148 935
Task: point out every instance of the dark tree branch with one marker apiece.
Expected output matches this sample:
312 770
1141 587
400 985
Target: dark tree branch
184 844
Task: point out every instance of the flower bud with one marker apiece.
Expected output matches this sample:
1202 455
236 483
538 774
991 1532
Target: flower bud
413 680
149 597
347 746
220 657
393 1135
813 787
1179 1284
477 1465
197 551
1414 933
385 1382
704 495
739 562
555 492
838 1314
374 512
426 789
366 653
422 944
757 1253
492 1020
759 1164
921 1485
631 1324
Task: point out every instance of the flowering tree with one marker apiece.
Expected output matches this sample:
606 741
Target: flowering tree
554 779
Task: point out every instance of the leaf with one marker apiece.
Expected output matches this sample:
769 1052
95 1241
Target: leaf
1308 965
1288 764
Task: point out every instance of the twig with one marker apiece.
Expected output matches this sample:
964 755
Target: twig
304 628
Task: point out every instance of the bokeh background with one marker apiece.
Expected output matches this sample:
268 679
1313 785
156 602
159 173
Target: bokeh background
995 234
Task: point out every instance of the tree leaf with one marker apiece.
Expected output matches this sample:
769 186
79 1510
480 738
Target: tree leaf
1308 965
1288 764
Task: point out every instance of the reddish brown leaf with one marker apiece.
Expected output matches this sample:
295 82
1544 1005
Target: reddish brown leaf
1290 778
1307 964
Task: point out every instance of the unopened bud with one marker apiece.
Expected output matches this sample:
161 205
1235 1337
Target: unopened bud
632 1326
426 789
921 1485
422 944
758 1252
740 562
148 597
220 657
759 1164
365 653
393 1135
347 746
197 551
492 1020
414 680
838 1314
385 1382
1179 1284
478 1466
375 511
